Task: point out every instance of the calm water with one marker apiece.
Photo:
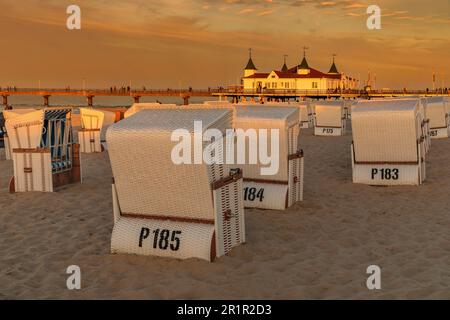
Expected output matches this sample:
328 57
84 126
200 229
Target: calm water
62 101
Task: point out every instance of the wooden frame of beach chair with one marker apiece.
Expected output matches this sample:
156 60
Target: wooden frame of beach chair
439 118
330 119
168 210
92 134
388 145
43 151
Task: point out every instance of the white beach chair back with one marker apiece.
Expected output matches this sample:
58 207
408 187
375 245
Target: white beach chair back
283 119
147 180
91 118
25 130
437 112
329 114
386 131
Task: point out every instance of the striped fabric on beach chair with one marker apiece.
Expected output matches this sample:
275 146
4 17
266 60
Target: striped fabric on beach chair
284 188
388 144
94 123
10 114
330 119
439 117
165 209
43 151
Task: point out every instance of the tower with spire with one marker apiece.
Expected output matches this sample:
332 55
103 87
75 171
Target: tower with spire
250 68
284 68
333 69
303 68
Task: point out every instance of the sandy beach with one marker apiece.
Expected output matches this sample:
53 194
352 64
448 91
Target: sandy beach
317 249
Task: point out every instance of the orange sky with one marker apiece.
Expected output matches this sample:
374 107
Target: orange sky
174 43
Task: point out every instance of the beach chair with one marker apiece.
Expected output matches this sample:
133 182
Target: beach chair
330 119
388 144
43 151
135 108
10 114
283 189
167 209
92 134
439 117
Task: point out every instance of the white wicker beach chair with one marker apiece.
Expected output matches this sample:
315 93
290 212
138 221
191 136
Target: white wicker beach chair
388 143
43 151
10 114
93 129
439 117
135 108
169 210
283 189
330 119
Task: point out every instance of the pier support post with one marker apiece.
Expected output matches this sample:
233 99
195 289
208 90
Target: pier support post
5 100
186 100
136 99
90 100
46 100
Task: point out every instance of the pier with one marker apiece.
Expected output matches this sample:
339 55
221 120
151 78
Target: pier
235 94
135 95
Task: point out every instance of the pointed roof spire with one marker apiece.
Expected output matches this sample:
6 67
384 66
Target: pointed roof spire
304 63
284 68
250 64
333 68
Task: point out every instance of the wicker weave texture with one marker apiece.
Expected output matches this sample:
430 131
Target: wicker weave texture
147 180
386 132
329 115
437 113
